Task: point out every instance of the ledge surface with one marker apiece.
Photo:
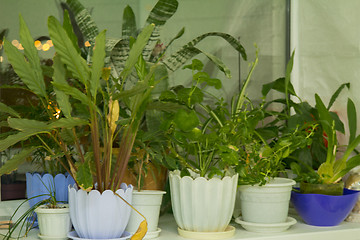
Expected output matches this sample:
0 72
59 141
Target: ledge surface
299 231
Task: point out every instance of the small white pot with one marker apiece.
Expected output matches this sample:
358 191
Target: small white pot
148 203
98 215
54 223
268 203
202 205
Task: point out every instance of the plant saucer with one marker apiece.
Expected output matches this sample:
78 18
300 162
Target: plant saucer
51 238
73 235
266 227
154 234
228 233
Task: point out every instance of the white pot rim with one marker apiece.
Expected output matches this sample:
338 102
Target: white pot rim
274 182
148 192
45 210
194 177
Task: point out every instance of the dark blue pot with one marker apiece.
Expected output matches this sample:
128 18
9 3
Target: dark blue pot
38 184
324 210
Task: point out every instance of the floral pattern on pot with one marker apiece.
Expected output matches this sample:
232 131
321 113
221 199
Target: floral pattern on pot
200 204
100 216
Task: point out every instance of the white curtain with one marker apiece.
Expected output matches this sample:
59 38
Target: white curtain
325 35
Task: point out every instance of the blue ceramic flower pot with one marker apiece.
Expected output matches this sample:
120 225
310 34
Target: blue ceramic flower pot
324 210
38 184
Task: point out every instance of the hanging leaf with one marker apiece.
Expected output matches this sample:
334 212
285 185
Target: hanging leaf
8 110
98 63
18 159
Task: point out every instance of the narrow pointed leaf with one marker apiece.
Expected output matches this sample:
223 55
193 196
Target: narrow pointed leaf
68 54
337 93
6 109
70 31
178 59
352 119
32 56
84 20
15 138
74 92
68 123
162 11
129 23
98 63
27 124
59 77
136 50
18 159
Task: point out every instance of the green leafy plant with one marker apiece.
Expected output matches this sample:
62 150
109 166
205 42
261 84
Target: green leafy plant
150 139
88 104
334 167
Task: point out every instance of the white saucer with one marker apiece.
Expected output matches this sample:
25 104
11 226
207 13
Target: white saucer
73 235
228 233
51 238
266 227
154 234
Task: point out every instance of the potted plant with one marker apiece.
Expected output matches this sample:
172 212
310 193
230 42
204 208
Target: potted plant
78 99
147 158
263 196
326 183
202 181
53 218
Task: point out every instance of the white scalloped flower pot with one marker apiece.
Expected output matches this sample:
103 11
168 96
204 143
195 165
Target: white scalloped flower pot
54 223
148 203
202 205
268 203
100 216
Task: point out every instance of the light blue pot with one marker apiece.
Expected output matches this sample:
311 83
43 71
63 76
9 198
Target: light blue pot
39 184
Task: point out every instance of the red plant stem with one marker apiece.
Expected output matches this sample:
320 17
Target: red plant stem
96 146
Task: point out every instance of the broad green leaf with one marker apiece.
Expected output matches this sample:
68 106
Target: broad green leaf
68 123
350 148
8 110
84 176
186 120
32 56
187 52
84 20
336 94
24 70
60 77
352 119
20 136
165 106
70 31
278 85
98 63
27 124
136 50
326 171
129 23
68 54
19 158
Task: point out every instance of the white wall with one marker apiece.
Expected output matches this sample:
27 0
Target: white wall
326 39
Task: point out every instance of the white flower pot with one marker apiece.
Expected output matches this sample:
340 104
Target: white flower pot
148 203
268 203
100 216
202 205
54 223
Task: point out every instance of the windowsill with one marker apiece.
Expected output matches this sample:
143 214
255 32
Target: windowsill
299 231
